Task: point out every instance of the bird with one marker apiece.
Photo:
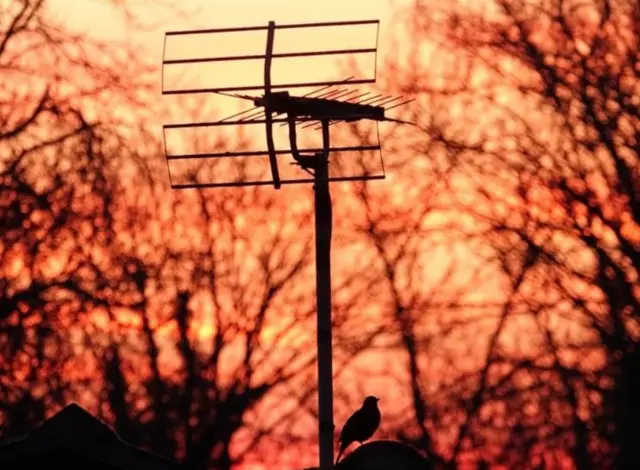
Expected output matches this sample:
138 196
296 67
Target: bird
361 425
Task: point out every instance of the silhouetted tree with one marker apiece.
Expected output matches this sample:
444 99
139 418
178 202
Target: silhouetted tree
539 104
56 168
185 319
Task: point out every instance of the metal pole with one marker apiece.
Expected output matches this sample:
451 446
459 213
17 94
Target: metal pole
322 200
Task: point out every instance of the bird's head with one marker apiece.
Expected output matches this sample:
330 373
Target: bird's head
371 401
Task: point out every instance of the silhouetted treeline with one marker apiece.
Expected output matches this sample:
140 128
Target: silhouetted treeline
487 291
538 111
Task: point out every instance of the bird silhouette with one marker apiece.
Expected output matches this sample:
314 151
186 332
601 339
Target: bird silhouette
361 425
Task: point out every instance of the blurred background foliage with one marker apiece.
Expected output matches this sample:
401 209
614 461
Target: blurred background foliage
488 291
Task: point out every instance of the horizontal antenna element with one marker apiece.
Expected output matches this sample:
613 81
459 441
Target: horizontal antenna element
330 101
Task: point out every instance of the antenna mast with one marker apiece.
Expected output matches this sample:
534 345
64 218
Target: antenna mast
320 109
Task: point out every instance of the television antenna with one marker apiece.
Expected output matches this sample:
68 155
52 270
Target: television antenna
331 102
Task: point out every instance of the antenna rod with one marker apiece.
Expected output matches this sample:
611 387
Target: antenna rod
267 112
322 200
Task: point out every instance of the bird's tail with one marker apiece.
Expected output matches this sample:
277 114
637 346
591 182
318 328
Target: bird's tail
340 452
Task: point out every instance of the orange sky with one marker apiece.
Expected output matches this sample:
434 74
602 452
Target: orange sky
98 19
93 17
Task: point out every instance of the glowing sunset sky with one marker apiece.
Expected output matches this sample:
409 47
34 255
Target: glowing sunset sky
95 17
98 19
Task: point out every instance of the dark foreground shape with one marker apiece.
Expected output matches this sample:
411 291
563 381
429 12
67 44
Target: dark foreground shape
384 455
73 439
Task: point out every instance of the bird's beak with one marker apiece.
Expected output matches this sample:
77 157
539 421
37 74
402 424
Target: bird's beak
377 399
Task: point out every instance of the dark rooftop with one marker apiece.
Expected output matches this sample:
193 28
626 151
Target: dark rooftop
76 439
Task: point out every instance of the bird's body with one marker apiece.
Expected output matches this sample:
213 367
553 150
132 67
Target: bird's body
361 425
